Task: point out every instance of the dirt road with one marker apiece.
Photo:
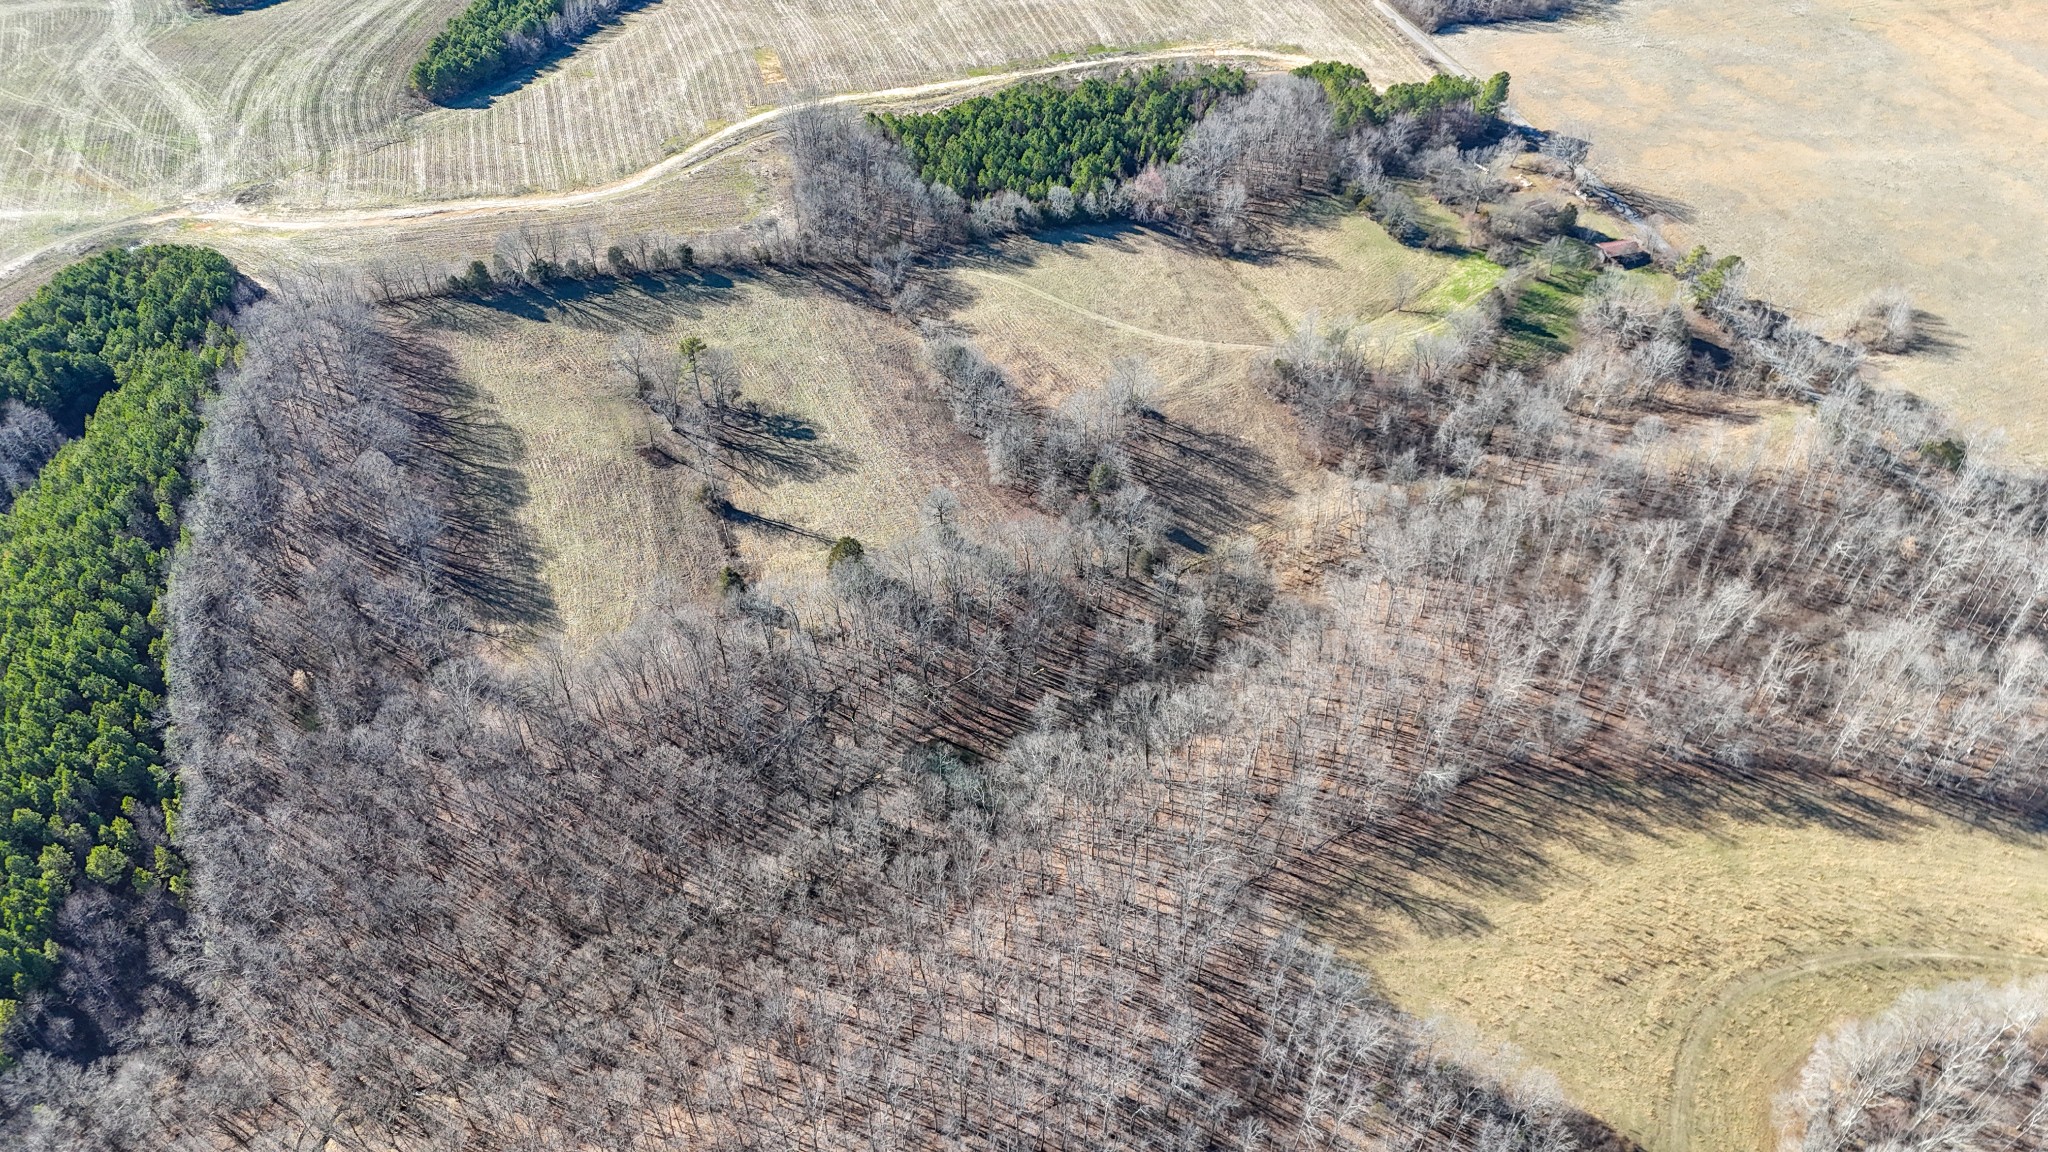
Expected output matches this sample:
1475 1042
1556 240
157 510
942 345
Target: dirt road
697 155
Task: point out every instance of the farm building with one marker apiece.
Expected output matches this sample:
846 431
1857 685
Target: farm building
1622 253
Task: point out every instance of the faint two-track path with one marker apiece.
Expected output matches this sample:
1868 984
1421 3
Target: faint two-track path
1110 321
1699 1035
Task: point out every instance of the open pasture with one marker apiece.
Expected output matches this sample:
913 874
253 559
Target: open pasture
841 448
1673 957
1838 146
1059 312
116 111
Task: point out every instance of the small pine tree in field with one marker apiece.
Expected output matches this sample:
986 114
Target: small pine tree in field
845 549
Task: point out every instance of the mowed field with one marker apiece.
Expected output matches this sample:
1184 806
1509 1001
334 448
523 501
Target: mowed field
1837 145
115 111
865 444
1675 972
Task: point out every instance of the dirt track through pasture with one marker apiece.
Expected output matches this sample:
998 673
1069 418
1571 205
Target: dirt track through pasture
695 156
1703 1030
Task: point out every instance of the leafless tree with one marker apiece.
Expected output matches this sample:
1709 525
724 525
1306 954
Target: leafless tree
28 438
1960 1066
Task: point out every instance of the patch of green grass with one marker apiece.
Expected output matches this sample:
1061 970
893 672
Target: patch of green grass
1468 280
1546 315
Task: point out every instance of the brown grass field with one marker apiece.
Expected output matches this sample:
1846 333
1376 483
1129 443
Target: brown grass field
1838 146
1674 972
619 522
119 112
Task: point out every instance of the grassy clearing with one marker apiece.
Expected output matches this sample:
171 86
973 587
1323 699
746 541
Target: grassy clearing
619 520
1059 314
1675 974
1546 316
1343 269
617 524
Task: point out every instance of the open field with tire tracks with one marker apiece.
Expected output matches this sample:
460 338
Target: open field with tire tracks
132 110
1674 964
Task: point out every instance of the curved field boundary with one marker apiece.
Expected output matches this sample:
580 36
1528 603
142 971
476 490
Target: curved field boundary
1111 321
720 142
1699 1035
696 155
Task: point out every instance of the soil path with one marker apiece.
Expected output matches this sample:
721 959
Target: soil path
1699 1035
697 155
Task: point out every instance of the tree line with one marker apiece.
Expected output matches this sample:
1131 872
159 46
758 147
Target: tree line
1433 15
84 553
491 39
1355 102
863 197
1250 154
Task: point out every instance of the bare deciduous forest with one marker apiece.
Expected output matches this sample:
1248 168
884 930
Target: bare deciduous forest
1014 840
1957 1067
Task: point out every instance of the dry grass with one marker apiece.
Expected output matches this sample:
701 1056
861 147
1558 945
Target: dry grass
618 523
1838 146
110 112
1059 314
1675 975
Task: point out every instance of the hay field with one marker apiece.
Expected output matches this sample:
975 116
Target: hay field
113 111
1675 973
1838 146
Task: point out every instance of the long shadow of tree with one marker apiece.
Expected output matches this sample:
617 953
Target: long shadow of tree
1500 834
492 558
1211 483
767 446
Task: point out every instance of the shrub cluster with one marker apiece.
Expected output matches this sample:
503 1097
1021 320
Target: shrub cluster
83 555
478 45
1035 137
490 39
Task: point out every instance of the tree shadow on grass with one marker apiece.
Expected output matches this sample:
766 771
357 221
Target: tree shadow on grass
1431 869
548 61
767 446
1647 203
492 558
1933 336
1212 484
745 519
1576 12
642 303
